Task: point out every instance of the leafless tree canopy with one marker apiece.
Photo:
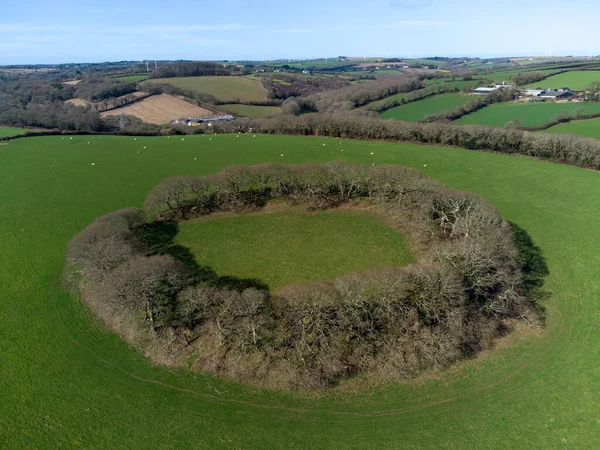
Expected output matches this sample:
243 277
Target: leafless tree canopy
462 293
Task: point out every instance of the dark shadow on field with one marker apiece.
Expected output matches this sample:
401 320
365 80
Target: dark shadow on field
159 236
533 265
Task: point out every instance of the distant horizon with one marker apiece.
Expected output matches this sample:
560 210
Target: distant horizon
404 58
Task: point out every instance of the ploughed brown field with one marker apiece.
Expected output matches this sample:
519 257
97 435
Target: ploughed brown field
160 109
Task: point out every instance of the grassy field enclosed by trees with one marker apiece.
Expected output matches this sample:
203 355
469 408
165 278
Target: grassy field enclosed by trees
10 131
285 247
527 114
67 382
577 80
415 111
133 78
225 88
588 128
256 112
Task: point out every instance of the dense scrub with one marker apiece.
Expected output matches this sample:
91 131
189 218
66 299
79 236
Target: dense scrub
194 69
283 86
464 291
98 89
348 98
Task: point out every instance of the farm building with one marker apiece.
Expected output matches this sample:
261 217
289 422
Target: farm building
484 90
196 120
533 92
555 95
306 72
489 89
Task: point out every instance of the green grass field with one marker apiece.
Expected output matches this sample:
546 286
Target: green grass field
224 88
284 247
68 383
530 114
133 78
256 112
415 111
397 97
10 131
577 80
588 128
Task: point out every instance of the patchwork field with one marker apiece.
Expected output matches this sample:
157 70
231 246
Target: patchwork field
159 109
415 111
577 80
67 382
588 128
285 247
256 112
224 88
530 114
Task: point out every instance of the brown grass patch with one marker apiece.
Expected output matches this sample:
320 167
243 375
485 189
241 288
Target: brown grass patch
160 109
78 102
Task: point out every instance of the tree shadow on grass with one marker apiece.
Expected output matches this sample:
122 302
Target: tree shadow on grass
160 238
533 265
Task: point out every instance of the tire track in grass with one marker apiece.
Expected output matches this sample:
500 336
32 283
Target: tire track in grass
301 410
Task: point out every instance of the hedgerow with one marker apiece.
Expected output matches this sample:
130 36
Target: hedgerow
465 290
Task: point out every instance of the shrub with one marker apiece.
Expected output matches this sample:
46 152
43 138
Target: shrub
394 322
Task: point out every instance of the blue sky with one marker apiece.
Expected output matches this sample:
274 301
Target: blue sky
90 31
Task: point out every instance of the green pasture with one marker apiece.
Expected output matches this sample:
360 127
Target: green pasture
225 88
256 112
575 80
285 247
415 111
133 78
588 128
397 97
12 131
69 383
530 114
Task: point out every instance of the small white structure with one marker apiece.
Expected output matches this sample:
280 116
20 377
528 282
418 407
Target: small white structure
306 72
484 90
533 92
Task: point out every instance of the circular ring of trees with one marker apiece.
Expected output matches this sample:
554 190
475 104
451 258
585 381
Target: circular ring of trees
465 290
